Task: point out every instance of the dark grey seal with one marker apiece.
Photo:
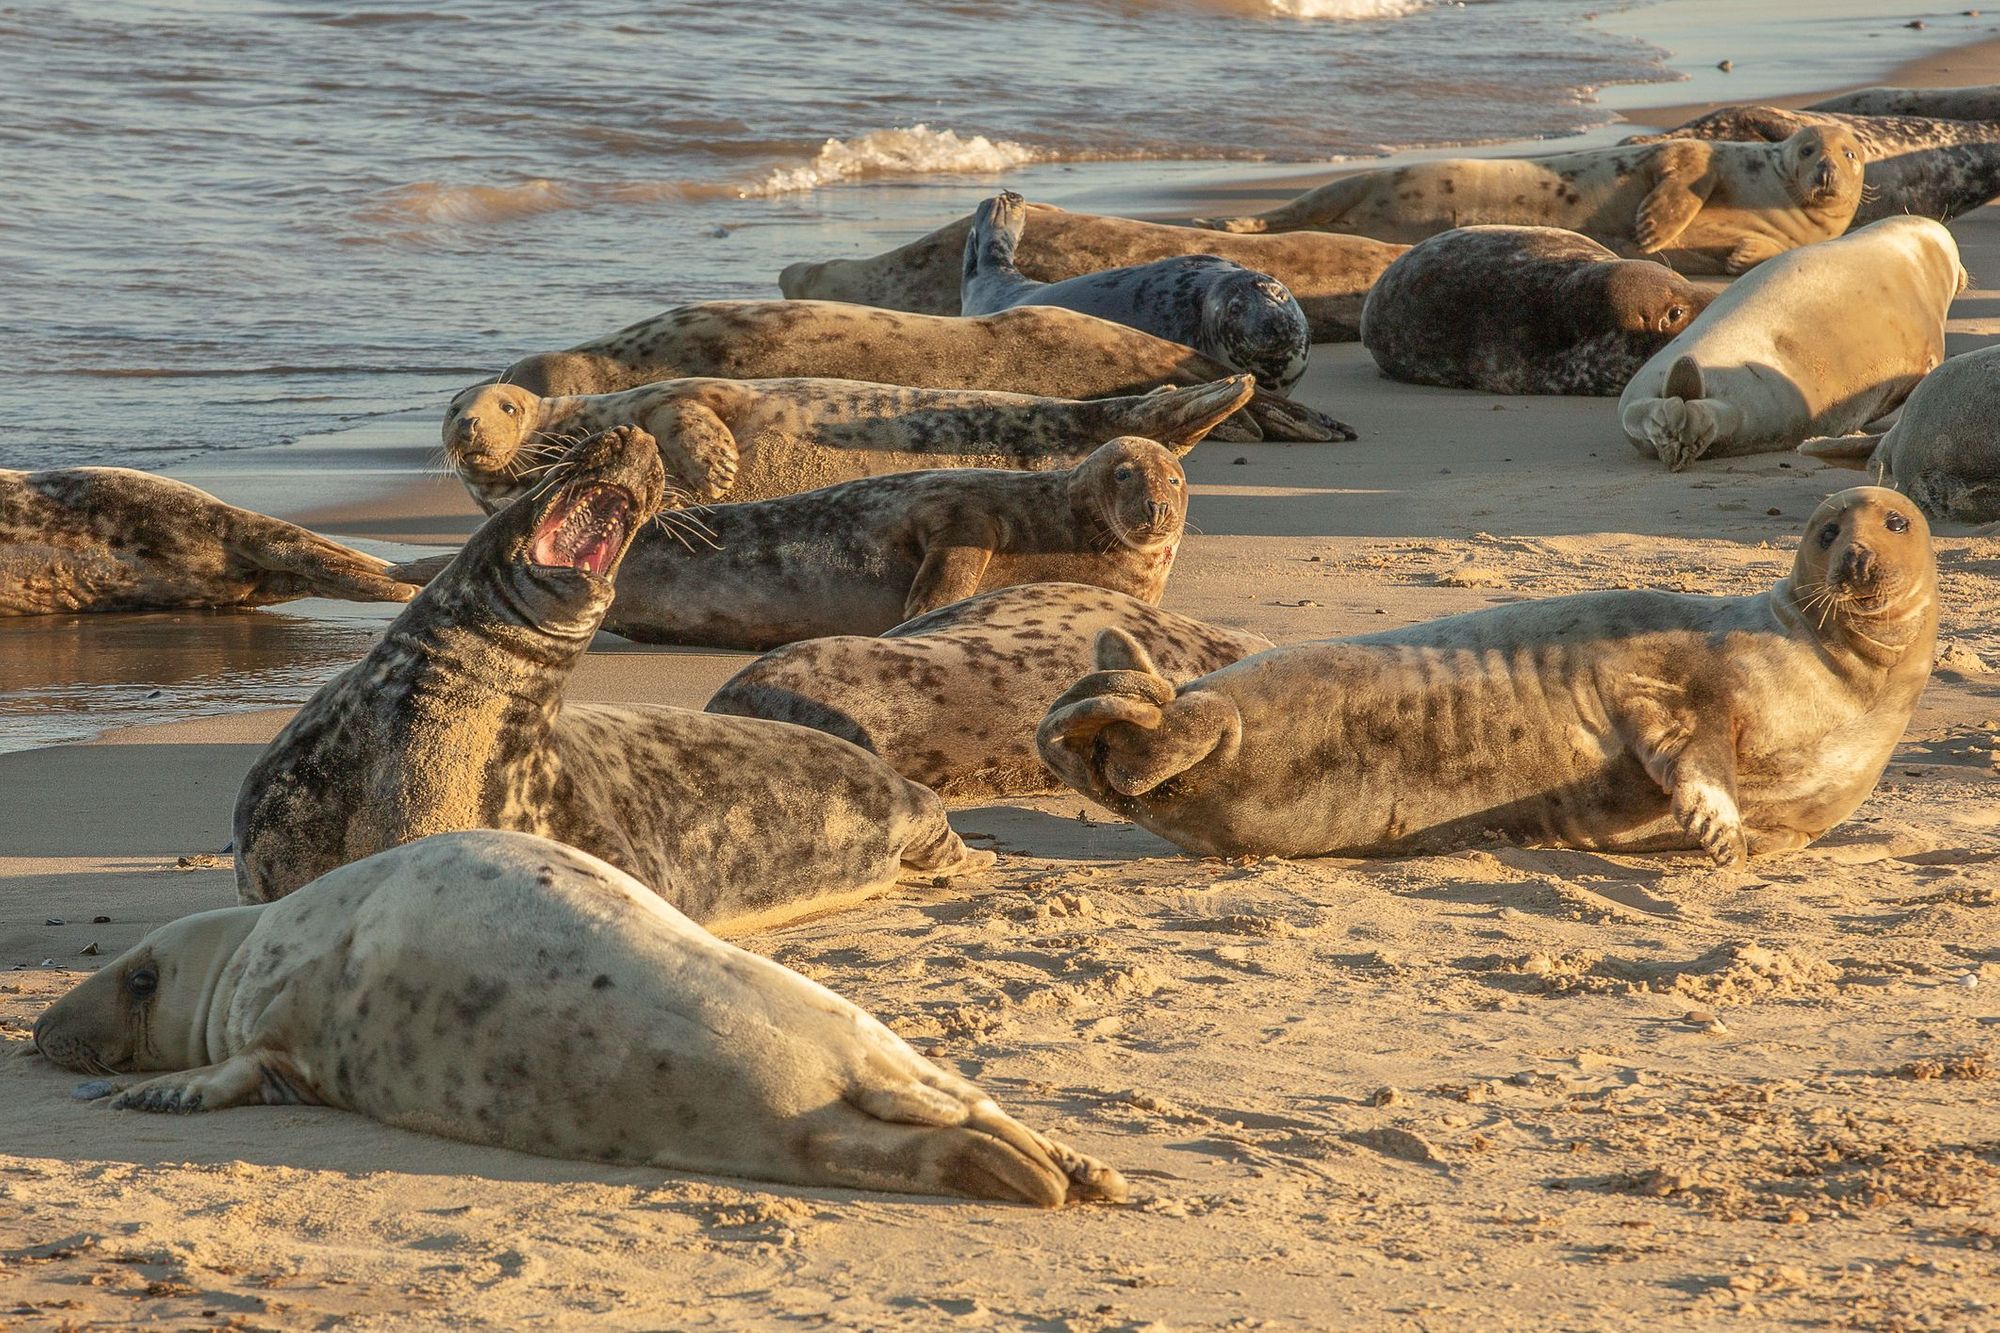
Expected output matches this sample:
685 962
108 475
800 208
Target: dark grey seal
1523 310
1245 319
1976 102
456 721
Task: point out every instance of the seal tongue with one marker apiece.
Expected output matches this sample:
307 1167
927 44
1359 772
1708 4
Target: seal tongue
584 531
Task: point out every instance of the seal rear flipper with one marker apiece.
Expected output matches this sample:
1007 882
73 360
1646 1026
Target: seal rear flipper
311 566
1849 451
935 848
1180 417
1123 728
1680 426
1318 209
698 449
1282 418
248 1078
988 280
422 570
921 1138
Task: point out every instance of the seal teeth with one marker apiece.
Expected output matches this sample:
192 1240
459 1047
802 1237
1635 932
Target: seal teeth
585 531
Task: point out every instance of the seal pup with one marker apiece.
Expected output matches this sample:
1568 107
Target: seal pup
1911 164
759 439
864 556
1242 318
1782 355
1614 721
1942 452
1523 310
1704 207
113 539
1328 274
1978 102
456 721
952 699
502 989
1037 350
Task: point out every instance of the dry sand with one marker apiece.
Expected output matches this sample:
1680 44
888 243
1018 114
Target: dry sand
1504 1088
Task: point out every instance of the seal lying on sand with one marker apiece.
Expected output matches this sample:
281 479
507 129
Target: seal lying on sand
1818 342
951 699
1036 350
759 439
866 555
456 721
1329 275
506 990
112 539
1912 164
1703 207
1978 102
1619 721
1242 318
1944 451
1523 310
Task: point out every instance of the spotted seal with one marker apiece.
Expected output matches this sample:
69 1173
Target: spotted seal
1036 350
1523 310
864 556
1978 102
114 539
1703 207
1245 319
456 721
503 989
1618 721
1942 451
1917 165
1782 354
951 699
759 439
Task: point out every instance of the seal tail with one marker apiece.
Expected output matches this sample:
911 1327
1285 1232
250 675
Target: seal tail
1181 416
1315 209
988 281
1849 451
1123 730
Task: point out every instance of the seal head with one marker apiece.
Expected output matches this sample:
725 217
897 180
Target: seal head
1864 578
1136 490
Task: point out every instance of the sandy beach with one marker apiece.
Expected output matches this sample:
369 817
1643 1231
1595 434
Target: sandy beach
1506 1088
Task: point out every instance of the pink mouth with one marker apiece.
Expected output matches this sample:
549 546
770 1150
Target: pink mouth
586 531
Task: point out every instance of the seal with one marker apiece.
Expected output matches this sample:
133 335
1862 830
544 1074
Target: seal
1941 452
864 556
1978 102
1245 319
1703 207
1780 356
1614 721
951 699
1523 310
1037 350
502 989
759 439
114 539
1931 168
1329 275
456 721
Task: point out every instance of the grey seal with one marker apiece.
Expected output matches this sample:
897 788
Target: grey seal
1976 102
115 539
1523 310
456 721
1784 354
1617 721
1245 319
1943 452
952 698
503 989
760 439
1036 350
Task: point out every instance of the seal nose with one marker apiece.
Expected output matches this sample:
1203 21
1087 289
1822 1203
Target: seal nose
1859 567
41 1031
1157 511
1823 178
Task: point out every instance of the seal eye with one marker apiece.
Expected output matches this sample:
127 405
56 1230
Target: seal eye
1896 522
1124 473
142 983
508 408
1173 481
1827 534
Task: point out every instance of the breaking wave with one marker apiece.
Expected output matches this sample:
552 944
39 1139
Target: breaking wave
916 151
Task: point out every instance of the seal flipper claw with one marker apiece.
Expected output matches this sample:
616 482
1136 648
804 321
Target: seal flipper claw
1679 190
698 449
247 1078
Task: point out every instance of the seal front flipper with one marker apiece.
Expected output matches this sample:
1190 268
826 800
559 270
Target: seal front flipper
953 565
1750 252
248 1078
1681 184
698 449
1692 759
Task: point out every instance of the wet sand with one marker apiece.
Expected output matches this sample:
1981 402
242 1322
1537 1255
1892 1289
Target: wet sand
1429 1092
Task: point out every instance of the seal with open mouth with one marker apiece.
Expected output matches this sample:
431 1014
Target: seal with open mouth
502 989
759 439
114 539
456 721
1036 350
864 556
1616 721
